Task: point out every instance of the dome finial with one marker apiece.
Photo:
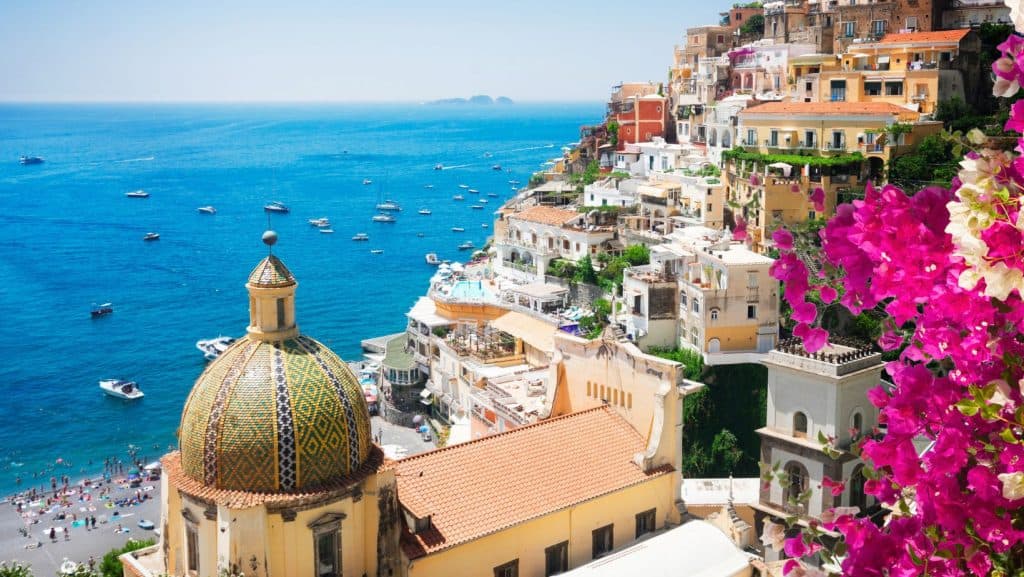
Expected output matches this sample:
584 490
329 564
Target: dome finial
270 239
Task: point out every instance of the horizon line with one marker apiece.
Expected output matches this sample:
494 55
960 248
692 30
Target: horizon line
199 101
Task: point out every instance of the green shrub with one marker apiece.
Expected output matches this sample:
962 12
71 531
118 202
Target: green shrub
111 567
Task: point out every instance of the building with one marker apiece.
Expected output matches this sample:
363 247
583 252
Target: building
738 15
761 69
974 13
540 234
277 473
810 394
640 118
857 22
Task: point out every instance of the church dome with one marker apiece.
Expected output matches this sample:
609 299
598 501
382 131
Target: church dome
277 411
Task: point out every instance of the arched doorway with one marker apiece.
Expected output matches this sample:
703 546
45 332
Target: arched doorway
714 346
876 168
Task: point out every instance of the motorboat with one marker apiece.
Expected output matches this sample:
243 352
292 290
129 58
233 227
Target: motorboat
121 389
458 229
473 191
463 186
321 222
276 206
137 194
428 186
439 166
484 225
367 181
477 207
27 160
207 210
151 236
101 310
212 348
326 231
376 251
482 201
466 245
432 258
419 234
383 217
492 194
458 197
425 211
488 155
513 182
389 206
361 236
496 167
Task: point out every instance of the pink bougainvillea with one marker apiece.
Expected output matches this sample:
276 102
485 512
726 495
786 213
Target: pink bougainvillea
947 266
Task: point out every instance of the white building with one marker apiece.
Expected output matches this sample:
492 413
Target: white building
610 192
540 234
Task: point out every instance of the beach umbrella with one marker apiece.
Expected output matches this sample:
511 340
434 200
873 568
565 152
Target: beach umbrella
417 419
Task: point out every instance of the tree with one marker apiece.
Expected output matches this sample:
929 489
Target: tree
725 451
585 272
111 566
637 254
754 26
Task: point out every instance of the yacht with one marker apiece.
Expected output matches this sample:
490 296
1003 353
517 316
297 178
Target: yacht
439 166
321 222
383 217
513 182
121 389
484 225
466 245
458 229
26 160
326 231
425 211
101 310
151 236
376 251
473 191
361 236
458 197
477 207
432 258
389 205
212 348
276 206
496 167
367 181
482 201
463 186
207 210
137 194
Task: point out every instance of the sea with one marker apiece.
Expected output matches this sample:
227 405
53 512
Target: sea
70 239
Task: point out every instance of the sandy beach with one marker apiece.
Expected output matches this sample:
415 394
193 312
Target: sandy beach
115 504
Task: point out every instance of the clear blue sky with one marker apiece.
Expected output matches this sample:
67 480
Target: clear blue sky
368 50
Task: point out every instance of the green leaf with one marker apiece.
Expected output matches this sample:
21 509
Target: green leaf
1008 436
968 407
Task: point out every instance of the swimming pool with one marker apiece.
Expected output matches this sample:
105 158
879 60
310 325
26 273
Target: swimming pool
470 290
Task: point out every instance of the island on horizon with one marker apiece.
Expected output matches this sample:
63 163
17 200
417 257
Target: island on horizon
477 99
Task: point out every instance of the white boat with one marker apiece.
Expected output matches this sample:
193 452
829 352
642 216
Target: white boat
477 206
326 231
383 217
425 211
492 195
376 251
321 222
137 194
458 197
151 236
389 206
428 186
361 236
367 181
276 206
513 182
458 229
432 258
466 245
212 348
463 186
207 210
484 225
482 201
438 166
473 191
121 389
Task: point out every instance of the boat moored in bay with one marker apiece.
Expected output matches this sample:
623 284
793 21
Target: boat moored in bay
121 389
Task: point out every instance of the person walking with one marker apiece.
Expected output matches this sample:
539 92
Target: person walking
53 534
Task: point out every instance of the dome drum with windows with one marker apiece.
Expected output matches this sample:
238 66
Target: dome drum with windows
278 412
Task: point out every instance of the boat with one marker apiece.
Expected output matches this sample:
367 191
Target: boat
428 186
463 186
473 191
376 251
488 155
321 222
496 167
425 211
326 231
513 182
484 225
477 207
419 234
27 160
458 229
492 194
212 348
101 310
361 236
482 201
207 210
389 206
276 206
383 217
466 245
458 197
439 166
367 181
121 389
151 236
431 258
137 194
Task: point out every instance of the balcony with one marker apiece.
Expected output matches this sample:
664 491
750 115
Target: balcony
835 147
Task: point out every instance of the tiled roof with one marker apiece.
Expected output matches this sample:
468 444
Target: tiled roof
474 489
825 108
546 215
245 499
936 36
271 273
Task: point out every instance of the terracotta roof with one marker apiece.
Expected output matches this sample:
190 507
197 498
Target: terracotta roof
825 108
546 215
245 499
477 488
937 36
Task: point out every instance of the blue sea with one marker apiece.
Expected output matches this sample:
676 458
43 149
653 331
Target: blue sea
70 238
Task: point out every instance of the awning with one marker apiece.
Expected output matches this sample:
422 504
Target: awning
534 332
883 60
426 397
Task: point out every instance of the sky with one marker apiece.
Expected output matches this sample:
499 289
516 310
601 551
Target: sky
339 50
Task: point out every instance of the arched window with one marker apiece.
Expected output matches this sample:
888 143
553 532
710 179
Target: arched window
799 425
857 425
796 473
726 139
714 314
857 496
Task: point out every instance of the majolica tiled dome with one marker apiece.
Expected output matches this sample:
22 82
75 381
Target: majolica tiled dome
271 273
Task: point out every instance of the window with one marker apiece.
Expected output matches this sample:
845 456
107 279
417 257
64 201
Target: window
751 311
751 137
838 140
809 139
873 88
721 39
556 559
858 425
714 314
894 88
739 16
603 541
752 280
645 523
838 90
192 546
847 28
696 306
797 481
327 553
877 27
280 313
510 569
911 22
799 425
857 496
774 139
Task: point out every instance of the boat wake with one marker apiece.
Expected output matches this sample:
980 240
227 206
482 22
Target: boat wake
456 166
541 147
145 159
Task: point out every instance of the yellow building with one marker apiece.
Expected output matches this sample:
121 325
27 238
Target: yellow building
277 474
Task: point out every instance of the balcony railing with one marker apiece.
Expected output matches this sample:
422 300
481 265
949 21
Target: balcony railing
836 147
